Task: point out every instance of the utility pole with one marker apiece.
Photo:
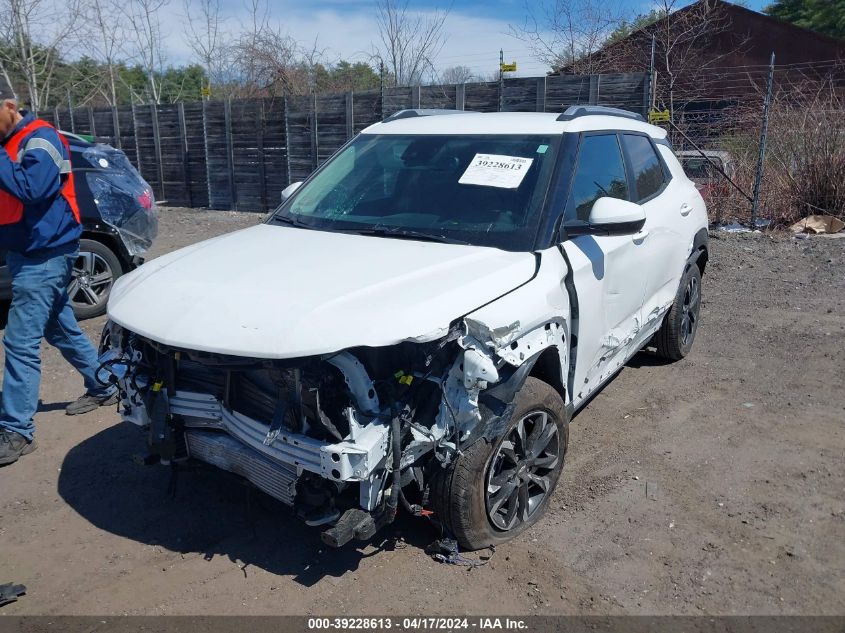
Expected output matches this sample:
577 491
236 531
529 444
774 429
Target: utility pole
381 85
764 131
652 81
501 80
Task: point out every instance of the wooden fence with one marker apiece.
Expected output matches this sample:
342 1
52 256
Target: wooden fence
240 154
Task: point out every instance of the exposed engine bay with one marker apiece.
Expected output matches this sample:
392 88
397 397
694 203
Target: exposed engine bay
343 438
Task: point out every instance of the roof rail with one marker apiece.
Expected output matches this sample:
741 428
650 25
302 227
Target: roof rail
576 111
407 114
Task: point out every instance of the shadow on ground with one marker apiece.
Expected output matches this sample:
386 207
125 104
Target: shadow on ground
212 513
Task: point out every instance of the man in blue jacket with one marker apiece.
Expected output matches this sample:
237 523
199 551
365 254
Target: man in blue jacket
40 228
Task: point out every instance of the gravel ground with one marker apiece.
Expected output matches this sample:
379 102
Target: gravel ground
715 485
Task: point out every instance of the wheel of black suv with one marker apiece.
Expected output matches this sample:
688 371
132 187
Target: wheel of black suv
675 337
498 489
94 274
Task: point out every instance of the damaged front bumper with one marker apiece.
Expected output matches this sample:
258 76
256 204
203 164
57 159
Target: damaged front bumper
342 438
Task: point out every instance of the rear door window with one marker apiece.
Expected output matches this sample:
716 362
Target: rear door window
645 166
600 172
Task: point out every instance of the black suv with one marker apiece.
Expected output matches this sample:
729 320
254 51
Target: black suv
118 224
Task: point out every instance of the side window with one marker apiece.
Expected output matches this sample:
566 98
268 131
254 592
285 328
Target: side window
600 172
645 165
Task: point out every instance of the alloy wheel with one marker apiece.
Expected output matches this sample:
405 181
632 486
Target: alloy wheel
690 309
519 476
91 281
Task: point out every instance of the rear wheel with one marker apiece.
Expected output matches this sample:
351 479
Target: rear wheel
675 337
498 489
94 273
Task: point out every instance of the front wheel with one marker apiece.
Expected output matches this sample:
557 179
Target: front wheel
94 273
497 489
675 337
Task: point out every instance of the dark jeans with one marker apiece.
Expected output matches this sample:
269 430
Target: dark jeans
40 309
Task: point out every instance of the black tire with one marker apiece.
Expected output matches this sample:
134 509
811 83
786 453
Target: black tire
461 494
94 273
675 338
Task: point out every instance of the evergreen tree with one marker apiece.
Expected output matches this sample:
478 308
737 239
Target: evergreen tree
823 16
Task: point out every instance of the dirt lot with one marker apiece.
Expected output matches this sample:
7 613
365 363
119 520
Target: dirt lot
716 485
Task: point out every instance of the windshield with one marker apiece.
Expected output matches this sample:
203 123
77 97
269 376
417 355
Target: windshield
485 190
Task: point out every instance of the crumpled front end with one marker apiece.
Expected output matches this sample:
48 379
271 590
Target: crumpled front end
344 438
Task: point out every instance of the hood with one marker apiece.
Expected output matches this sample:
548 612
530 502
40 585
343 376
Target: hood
283 292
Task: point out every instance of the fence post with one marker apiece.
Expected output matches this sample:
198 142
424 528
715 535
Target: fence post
209 181
262 171
58 120
460 96
315 155
350 115
287 140
157 143
91 121
594 89
415 97
183 137
135 134
764 131
116 125
541 94
230 152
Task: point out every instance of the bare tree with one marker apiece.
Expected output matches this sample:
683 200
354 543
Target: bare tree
457 75
105 39
409 40
146 41
684 45
203 30
267 61
568 32
33 34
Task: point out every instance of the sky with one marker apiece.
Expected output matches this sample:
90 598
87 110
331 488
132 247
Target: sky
346 29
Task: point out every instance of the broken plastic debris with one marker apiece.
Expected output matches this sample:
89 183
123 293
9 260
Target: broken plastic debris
445 550
10 593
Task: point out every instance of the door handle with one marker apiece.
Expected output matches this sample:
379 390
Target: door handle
640 236
685 209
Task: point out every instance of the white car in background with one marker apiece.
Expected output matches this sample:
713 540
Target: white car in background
416 324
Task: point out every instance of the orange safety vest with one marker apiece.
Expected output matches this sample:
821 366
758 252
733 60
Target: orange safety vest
11 208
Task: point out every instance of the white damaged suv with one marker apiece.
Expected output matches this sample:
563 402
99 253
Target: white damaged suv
416 324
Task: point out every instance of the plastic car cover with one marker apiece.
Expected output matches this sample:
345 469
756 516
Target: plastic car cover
123 198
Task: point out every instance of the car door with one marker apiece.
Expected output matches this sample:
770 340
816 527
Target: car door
605 268
664 246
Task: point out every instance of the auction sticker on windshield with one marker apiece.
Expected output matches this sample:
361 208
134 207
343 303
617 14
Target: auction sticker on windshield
496 170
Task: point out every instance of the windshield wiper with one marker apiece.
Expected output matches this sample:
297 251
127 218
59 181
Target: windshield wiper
401 233
286 219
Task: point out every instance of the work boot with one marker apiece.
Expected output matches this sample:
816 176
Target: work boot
90 402
14 445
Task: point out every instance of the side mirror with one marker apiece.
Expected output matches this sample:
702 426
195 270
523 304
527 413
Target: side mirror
609 216
287 192
611 212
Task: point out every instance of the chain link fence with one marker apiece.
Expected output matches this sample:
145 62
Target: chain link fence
723 113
